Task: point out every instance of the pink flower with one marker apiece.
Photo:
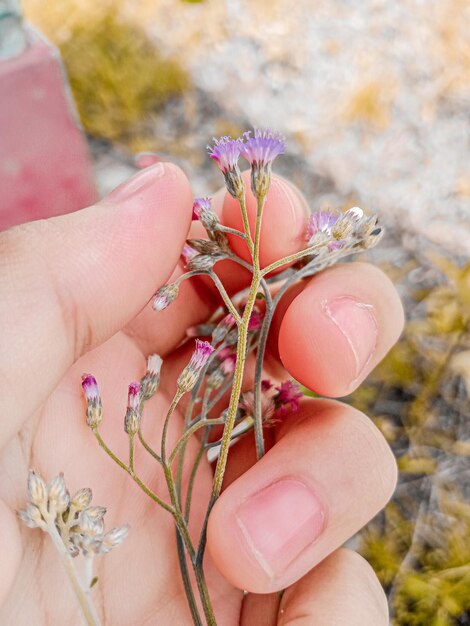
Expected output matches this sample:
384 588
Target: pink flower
256 319
226 152
261 149
247 404
165 296
188 377
200 205
266 385
133 396
228 363
90 387
288 397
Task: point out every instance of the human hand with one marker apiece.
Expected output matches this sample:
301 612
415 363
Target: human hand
72 299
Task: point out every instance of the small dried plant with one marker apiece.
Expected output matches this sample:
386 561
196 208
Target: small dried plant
215 371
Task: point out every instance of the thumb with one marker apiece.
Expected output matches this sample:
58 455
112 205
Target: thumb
69 283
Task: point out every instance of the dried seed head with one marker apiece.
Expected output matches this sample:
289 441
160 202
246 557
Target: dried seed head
88 525
112 539
94 412
59 497
81 499
37 490
188 377
204 262
31 516
205 246
150 381
96 512
165 296
133 414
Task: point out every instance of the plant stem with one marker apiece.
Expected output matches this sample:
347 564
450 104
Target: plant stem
131 452
225 297
89 612
186 580
187 434
147 447
132 474
246 224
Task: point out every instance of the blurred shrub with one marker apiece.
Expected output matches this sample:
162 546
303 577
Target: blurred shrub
117 76
419 398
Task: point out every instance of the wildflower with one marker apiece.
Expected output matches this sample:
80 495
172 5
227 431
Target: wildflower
247 404
133 414
94 412
81 499
288 397
150 381
188 253
266 385
37 490
165 296
260 151
202 210
321 224
188 377
226 152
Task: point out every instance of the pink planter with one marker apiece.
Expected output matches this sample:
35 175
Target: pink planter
45 168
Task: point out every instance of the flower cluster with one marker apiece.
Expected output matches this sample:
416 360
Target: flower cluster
259 150
273 405
79 525
335 230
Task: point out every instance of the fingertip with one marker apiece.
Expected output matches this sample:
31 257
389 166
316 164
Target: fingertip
338 328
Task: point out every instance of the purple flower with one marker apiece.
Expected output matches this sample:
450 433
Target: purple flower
266 385
321 221
226 152
288 397
261 149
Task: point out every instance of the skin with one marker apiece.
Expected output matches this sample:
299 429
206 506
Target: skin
73 299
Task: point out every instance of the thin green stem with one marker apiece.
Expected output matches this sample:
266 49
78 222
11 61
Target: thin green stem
177 397
231 231
225 297
134 477
192 477
147 447
246 224
89 612
186 580
131 452
187 434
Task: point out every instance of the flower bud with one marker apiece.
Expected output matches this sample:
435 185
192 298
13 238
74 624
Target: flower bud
202 210
37 490
133 414
81 499
59 497
204 262
31 516
94 413
189 376
165 296
113 539
149 383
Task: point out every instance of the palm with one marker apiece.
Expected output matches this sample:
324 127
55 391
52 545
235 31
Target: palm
139 583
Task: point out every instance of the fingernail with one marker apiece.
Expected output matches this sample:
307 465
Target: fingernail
279 522
139 183
356 321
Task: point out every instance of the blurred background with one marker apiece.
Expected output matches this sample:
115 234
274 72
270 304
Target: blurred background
374 99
